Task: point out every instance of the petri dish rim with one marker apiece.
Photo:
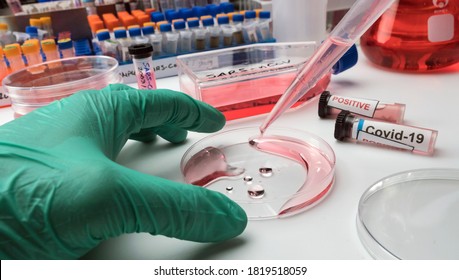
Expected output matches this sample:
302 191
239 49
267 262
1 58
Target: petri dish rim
113 62
317 141
370 242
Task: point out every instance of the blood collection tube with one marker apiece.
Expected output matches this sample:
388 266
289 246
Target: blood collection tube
31 50
4 98
50 50
143 63
3 67
14 56
415 139
332 105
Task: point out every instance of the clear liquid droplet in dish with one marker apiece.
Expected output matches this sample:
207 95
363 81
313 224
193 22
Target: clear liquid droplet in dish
229 189
266 172
256 191
248 179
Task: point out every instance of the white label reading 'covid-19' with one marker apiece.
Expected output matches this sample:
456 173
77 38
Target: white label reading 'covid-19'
398 136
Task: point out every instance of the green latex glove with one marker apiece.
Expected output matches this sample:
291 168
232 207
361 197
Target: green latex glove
62 193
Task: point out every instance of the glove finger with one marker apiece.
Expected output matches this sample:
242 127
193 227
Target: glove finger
136 202
151 108
171 134
145 135
116 115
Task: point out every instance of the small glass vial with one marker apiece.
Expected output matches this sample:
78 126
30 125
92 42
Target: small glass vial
124 41
108 46
170 39
136 35
66 48
227 30
238 19
415 139
214 33
331 105
264 31
249 27
193 26
156 40
184 36
143 63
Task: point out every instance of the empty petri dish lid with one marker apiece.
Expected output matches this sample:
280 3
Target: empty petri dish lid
412 215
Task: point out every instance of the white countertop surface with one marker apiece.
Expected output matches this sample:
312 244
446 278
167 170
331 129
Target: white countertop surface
328 230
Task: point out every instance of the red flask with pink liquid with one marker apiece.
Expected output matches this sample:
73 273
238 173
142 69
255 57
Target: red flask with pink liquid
415 35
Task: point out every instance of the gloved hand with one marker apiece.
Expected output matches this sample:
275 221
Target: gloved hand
62 193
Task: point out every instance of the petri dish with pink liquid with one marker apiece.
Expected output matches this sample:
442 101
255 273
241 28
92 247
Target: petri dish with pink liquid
38 85
282 173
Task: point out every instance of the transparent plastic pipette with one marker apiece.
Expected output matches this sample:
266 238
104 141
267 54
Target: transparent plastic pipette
356 21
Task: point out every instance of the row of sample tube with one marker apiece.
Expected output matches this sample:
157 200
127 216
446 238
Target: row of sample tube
180 37
33 51
39 28
163 5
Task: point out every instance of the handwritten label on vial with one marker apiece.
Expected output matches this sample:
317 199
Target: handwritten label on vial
145 75
4 100
164 67
393 135
364 107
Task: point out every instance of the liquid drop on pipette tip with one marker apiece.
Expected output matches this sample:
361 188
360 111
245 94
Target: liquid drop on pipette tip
256 191
266 172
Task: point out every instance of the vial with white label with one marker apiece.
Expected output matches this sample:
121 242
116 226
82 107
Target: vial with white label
331 105
143 63
415 139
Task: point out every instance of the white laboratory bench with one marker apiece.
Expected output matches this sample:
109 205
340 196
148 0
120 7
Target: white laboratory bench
328 230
